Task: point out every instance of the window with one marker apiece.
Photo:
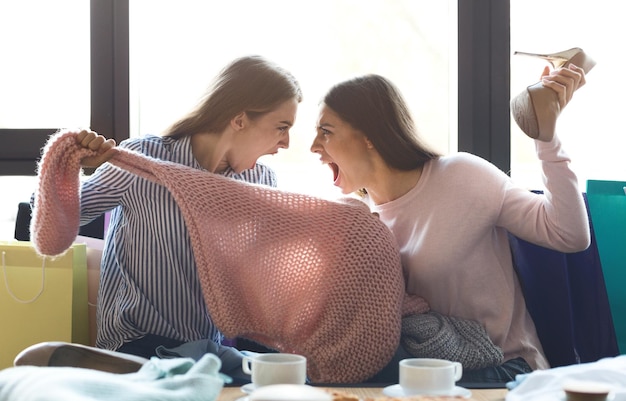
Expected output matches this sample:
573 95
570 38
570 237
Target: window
44 85
46 82
176 48
418 51
591 126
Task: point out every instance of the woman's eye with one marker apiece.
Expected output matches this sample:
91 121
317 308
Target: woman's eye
283 129
325 131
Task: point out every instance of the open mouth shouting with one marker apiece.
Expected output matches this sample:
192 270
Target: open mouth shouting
340 179
335 169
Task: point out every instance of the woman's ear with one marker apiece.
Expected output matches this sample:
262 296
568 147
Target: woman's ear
369 144
239 121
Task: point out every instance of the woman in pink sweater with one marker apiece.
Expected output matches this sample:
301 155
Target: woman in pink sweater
451 214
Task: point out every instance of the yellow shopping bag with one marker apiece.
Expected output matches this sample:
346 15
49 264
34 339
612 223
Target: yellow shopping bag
41 299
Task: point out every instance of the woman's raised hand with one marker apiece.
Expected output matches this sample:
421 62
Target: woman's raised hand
564 81
91 140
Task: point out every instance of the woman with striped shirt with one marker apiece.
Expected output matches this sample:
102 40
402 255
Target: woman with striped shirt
149 292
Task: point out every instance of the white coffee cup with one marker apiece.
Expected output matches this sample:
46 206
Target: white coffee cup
429 376
275 368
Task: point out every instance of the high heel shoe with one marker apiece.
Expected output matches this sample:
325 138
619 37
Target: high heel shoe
536 109
78 356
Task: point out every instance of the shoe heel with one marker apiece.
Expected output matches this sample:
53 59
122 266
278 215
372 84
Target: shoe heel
575 56
556 59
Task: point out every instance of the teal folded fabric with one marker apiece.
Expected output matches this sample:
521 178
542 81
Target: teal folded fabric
179 379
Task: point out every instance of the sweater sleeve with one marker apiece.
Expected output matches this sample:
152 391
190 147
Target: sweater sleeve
556 219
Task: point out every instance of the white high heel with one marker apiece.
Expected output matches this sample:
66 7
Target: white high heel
536 109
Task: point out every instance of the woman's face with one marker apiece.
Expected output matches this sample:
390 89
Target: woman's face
264 135
345 149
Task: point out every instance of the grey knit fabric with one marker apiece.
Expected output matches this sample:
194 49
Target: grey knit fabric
433 335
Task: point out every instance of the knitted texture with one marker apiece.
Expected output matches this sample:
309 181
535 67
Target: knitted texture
460 340
54 230
296 273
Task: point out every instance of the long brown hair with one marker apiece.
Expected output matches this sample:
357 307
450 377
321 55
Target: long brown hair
374 105
249 84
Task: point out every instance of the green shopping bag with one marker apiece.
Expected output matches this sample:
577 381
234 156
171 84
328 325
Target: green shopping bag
607 205
41 299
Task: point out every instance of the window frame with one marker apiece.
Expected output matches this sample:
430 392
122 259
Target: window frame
21 149
484 117
483 73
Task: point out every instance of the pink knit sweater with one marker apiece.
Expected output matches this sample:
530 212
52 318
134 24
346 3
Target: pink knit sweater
294 272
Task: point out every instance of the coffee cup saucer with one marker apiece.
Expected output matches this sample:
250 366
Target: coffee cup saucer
248 388
397 391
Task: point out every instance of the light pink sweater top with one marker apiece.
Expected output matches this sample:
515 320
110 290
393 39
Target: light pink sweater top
452 232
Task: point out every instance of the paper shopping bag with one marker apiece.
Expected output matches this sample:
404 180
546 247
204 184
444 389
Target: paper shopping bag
41 299
95 247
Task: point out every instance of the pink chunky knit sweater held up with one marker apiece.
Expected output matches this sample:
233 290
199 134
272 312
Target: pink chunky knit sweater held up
293 272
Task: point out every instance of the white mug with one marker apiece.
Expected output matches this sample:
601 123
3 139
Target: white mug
429 376
275 368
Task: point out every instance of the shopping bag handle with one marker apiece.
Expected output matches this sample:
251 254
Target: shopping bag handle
6 282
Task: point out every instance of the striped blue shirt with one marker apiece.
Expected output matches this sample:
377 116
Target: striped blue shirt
148 278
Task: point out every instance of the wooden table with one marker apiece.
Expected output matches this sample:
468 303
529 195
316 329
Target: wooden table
234 393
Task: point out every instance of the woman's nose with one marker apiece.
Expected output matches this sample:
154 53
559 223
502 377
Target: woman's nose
284 142
315 147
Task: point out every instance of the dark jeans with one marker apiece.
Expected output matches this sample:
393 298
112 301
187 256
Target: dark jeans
146 346
501 374
170 348
498 374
